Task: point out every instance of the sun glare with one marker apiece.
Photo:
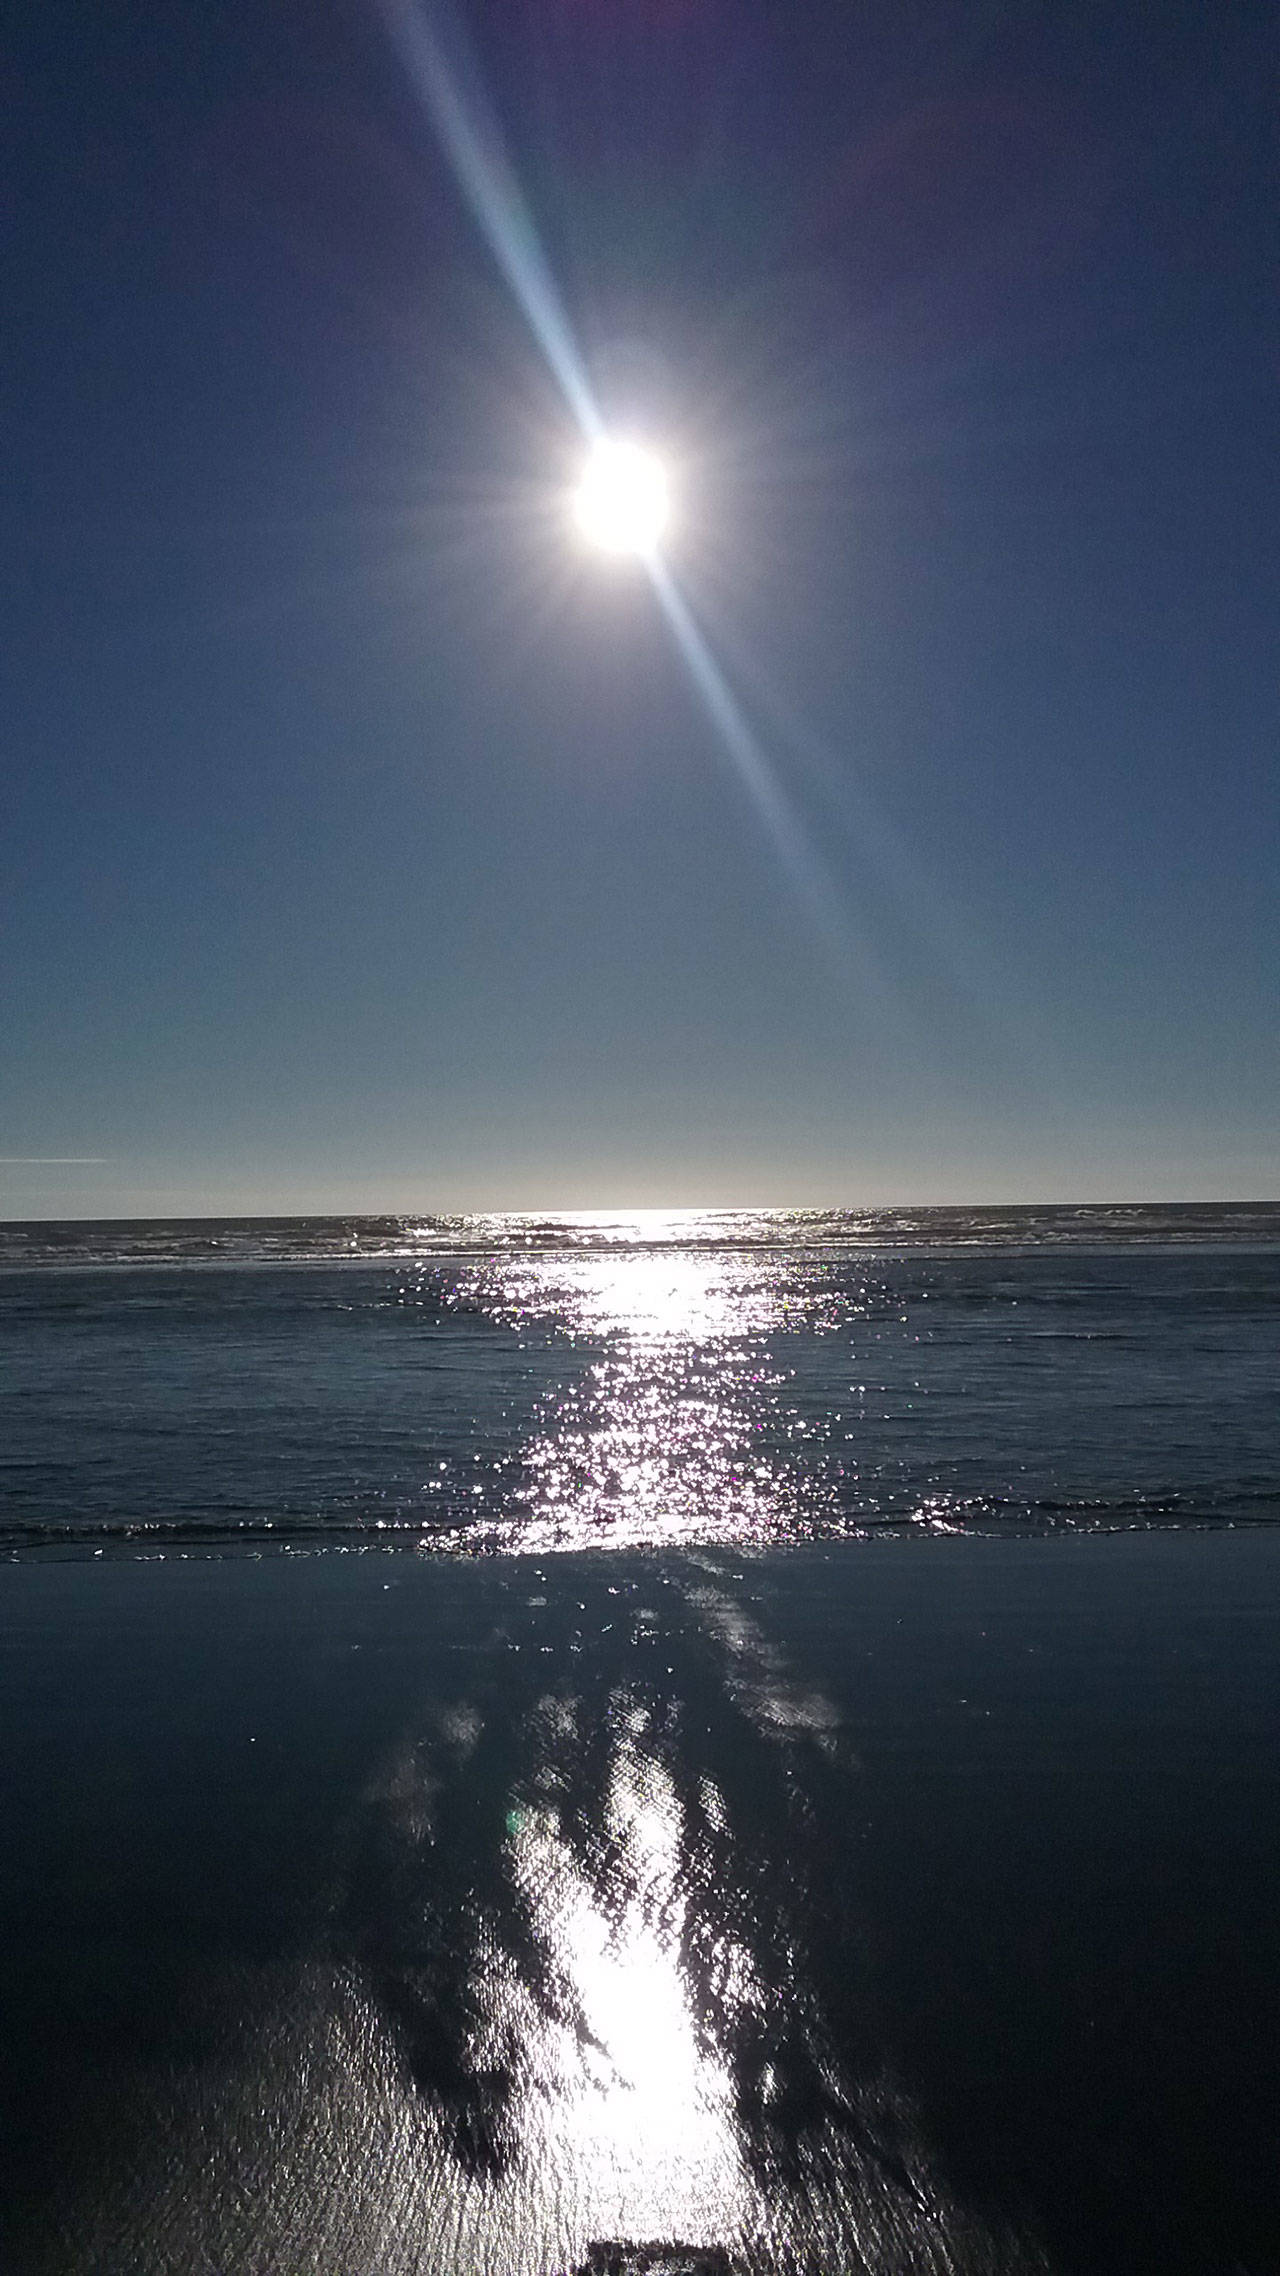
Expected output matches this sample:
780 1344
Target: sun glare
622 503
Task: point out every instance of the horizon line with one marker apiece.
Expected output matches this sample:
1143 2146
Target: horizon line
654 1209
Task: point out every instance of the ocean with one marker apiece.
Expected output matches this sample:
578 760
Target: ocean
738 1743
575 1382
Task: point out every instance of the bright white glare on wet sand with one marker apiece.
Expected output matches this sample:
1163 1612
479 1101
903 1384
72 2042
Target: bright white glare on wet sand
623 502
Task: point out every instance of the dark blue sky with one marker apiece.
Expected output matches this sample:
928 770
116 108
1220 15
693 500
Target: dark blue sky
365 843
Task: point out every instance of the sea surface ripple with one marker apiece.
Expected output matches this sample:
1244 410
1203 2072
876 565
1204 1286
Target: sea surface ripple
651 1380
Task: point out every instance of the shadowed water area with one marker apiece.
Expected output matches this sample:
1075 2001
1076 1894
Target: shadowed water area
827 1821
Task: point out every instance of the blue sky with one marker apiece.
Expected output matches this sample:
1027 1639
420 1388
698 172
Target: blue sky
365 843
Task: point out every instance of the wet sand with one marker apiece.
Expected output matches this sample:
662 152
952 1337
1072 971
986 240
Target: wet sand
898 1905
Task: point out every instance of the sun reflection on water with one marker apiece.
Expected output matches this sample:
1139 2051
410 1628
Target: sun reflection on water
629 2096
679 1428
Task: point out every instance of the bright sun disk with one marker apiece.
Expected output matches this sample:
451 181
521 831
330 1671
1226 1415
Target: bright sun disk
622 503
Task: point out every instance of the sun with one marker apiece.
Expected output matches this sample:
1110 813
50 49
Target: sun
622 502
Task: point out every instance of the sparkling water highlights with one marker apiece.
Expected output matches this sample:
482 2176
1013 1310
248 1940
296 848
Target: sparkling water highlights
644 1379
678 1428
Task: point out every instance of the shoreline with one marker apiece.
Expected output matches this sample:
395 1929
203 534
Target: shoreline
141 1545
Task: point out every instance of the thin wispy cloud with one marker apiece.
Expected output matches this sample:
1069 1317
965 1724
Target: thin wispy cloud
53 1161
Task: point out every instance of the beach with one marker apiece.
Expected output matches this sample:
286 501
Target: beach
905 1903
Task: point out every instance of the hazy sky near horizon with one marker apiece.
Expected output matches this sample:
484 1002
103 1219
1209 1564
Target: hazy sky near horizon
365 842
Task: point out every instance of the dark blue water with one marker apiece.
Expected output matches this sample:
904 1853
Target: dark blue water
535 1384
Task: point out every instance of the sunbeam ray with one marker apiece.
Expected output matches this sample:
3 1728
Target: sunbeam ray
808 873
436 52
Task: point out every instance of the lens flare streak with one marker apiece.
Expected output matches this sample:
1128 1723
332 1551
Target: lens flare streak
435 50
753 766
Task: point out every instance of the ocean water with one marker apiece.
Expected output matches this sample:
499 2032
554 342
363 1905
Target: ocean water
653 1380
